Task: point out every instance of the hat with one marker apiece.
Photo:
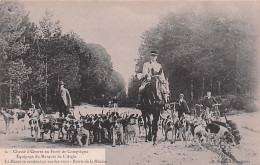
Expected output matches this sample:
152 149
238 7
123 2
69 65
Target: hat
154 53
62 83
181 94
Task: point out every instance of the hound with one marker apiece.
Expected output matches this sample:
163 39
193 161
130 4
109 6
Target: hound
83 134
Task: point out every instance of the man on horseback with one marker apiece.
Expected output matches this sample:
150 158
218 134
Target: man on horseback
151 68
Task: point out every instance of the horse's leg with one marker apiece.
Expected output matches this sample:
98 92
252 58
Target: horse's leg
7 124
114 137
149 128
166 132
173 131
156 116
145 127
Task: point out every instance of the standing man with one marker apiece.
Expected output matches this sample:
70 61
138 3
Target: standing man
150 68
209 101
18 102
64 100
183 106
115 102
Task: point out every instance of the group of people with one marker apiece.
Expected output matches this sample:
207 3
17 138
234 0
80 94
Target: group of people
153 68
150 68
208 102
113 103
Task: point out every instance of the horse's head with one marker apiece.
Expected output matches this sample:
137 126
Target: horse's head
166 85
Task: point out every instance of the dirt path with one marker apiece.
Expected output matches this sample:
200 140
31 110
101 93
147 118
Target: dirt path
145 153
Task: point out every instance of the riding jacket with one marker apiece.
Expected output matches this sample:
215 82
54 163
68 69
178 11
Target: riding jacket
209 101
65 97
153 68
150 69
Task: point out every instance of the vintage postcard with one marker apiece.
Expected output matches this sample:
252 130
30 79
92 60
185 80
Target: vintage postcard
129 82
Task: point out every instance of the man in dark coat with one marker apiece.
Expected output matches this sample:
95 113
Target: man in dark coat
115 102
64 100
183 106
209 101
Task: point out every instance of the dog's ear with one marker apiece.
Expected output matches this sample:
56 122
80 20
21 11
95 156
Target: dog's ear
131 116
114 118
117 115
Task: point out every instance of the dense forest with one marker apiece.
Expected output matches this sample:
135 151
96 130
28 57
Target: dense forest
214 52
36 56
202 52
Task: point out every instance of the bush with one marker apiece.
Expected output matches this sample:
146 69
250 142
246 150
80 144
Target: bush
240 102
126 103
252 106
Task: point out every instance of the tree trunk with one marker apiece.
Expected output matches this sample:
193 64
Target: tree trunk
46 87
203 87
10 94
211 86
219 88
191 92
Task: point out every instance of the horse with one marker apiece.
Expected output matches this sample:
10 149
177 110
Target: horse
153 101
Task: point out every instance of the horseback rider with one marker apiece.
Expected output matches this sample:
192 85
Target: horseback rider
151 68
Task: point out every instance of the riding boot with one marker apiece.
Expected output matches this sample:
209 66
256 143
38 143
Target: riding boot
139 97
138 105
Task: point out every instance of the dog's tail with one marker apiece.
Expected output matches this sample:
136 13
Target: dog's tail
225 117
80 115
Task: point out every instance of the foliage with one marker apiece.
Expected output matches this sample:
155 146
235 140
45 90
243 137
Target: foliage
216 47
36 57
13 72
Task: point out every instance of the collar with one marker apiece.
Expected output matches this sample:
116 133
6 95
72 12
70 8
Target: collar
150 62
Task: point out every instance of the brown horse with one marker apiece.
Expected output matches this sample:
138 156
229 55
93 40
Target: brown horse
152 102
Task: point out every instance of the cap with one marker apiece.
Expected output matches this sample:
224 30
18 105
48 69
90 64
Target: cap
154 53
62 83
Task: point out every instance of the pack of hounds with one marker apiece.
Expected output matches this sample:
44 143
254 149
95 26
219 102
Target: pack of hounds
201 127
119 129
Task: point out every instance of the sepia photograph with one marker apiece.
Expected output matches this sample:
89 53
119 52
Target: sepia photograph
129 82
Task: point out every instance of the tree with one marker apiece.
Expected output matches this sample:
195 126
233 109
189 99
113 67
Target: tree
133 87
116 85
18 74
12 26
214 47
95 70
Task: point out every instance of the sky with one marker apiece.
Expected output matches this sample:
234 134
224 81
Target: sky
118 26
